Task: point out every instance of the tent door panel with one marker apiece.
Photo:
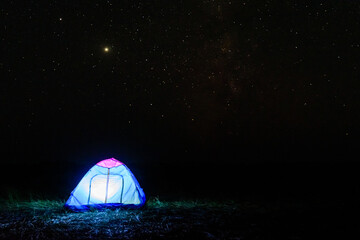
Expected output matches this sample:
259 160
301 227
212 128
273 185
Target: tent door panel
115 189
106 188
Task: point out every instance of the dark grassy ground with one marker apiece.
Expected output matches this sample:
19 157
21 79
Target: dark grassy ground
277 201
199 219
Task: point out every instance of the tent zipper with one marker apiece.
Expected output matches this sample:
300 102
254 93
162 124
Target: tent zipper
107 185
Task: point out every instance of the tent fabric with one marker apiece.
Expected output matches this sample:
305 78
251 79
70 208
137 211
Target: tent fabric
109 163
108 184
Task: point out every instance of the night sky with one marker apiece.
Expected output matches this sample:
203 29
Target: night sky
205 80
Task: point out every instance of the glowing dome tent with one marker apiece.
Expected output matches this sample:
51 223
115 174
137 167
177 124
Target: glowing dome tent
107 184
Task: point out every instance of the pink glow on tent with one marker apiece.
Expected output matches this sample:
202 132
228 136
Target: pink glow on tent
109 163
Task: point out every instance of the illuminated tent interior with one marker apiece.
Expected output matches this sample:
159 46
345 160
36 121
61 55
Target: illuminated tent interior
108 184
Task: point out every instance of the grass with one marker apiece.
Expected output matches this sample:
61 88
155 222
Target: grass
38 219
192 219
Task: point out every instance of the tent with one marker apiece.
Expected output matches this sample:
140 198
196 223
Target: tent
108 184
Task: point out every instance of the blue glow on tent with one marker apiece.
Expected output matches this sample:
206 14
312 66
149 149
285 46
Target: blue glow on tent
108 184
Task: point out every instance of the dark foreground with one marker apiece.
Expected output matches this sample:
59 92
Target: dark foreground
301 219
